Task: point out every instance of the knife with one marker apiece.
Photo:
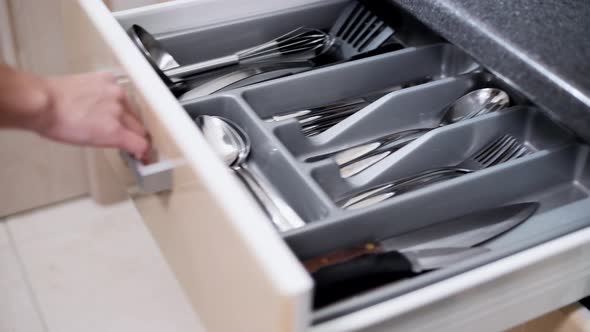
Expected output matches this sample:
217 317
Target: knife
346 272
246 76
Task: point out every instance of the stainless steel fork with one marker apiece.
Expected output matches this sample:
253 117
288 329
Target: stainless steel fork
357 30
501 150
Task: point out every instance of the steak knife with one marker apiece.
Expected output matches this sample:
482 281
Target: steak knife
342 273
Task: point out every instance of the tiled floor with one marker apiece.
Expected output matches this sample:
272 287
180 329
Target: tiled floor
82 267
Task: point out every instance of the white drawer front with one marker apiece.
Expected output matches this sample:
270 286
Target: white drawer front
222 248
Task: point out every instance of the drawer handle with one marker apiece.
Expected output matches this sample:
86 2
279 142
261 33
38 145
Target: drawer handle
152 178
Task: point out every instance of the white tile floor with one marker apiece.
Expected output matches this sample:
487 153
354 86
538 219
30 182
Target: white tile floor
81 267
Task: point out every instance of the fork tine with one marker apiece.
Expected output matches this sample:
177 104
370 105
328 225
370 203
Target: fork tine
352 21
513 148
501 150
364 31
498 153
489 148
508 155
521 150
359 26
376 36
343 20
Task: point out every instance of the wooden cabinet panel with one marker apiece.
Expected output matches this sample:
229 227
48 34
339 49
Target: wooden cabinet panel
36 171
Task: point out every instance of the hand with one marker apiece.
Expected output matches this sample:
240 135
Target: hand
92 109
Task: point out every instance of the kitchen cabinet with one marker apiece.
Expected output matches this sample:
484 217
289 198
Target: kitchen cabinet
238 272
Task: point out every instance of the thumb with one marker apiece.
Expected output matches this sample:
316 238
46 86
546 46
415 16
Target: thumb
136 145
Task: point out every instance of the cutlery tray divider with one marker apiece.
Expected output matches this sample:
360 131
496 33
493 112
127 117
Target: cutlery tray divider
450 145
331 84
268 157
189 45
414 107
509 182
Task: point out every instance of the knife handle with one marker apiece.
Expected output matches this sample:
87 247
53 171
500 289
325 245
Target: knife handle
340 256
362 273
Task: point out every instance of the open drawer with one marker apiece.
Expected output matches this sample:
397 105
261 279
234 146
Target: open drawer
238 271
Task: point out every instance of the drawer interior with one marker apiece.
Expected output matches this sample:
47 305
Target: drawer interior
422 77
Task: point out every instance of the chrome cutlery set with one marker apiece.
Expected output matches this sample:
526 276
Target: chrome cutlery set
395 166
343 273
356 31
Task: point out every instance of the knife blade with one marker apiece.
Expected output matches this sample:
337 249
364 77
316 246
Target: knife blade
465 231
344 273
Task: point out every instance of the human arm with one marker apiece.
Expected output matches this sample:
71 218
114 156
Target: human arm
86 109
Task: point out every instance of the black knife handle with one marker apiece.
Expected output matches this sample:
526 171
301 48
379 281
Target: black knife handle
338 281
340 256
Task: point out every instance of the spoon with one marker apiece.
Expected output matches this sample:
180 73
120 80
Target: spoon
233 145
354 160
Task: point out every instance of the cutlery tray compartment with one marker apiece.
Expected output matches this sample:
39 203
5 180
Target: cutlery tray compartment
555 173
274 157
428 78
189 45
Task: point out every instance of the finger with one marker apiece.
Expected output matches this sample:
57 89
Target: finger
132 123
117 93
107 76
135 144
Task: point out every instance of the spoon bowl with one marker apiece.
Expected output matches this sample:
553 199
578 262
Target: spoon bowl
150 47
229 141
475 103
232 145
153 52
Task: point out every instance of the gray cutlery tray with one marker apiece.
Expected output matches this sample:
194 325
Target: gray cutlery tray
556 174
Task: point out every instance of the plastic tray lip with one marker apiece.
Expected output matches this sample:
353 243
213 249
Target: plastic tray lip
437 187
253 17
179 7
248 90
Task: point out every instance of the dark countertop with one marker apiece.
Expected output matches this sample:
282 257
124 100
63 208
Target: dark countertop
542 47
